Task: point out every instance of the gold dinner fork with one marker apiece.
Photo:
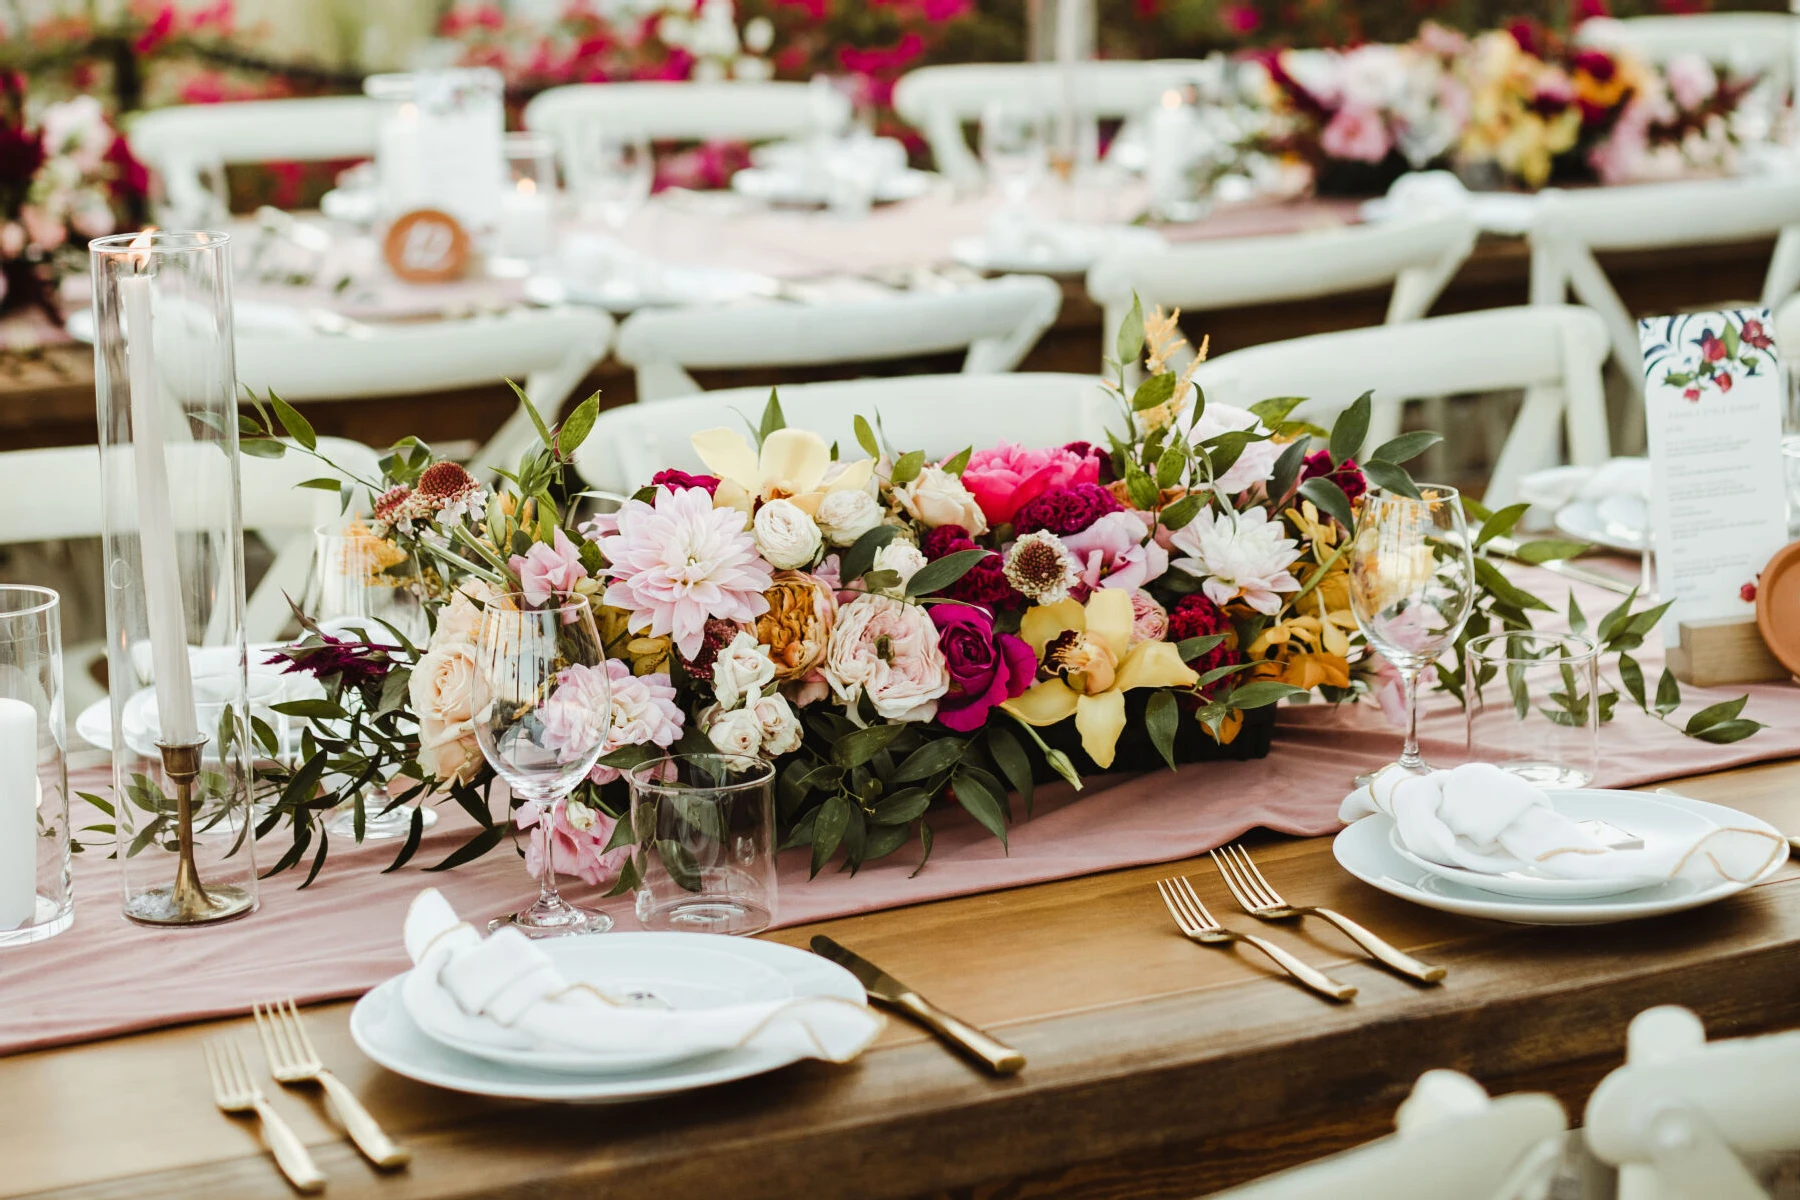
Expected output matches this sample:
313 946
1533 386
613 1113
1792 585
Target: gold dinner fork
1256 897
235 1092
1198 925
292 1060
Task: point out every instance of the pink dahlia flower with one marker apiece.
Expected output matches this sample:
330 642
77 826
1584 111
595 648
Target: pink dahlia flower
1008 477
680 561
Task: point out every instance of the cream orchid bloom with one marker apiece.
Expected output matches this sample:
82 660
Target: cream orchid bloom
792 467
1093 665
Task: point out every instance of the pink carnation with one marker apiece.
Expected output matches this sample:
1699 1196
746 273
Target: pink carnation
575 850
547 571
1008 477
679 562
1356 133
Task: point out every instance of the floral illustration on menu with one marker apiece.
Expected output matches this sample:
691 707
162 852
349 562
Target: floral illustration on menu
1708 354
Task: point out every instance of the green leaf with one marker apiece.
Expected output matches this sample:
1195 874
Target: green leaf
324 483
1287 468
1130 344
1161 718
1668 693
1406 447
1387 476
1181 513
981 803
1731 338
628 881
1543 550
860 556
472 849
1330 499
854 749
543 430
1612 621
262 447
1351 427
908 467
865 436
1715 714
415 830
1170 466
1503 589
296 426
772 418
1275 410
828 830
679 862
939 754
883 840
1577 619
958 462
1261 694
316 708
1632 675
1011 758
1726 732
575 430
941 573
1153 391
903 807
1194 647
1500 524
1140 487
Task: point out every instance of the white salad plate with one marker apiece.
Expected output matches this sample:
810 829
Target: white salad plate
1052 248
267 685
383 1030
1616 522
810 188
1366 850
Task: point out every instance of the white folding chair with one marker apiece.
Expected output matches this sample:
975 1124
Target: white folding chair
1677 1115
1451 1142
1417 257
58 495
1553 354
666 110
1746 42
939 101
177 143
997 321
548 351
939 414
1571 227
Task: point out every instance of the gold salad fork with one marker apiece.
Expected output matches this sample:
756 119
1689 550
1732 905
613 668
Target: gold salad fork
292 1060
1256 897
235 1092
1198 925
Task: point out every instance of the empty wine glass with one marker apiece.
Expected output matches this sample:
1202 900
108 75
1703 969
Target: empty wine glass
1014 149
1412 586
614 170
542 703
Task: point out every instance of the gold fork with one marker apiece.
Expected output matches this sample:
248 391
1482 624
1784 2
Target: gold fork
1197 924
292 1060
235 1092
1256 897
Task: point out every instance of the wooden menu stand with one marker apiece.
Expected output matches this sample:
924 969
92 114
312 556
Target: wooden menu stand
1723 650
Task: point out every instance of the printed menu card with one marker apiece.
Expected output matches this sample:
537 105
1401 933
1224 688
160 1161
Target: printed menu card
1713 400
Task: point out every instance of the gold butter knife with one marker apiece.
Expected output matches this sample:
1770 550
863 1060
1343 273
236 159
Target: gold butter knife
986 1051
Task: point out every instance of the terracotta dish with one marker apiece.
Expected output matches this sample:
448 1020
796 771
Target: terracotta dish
1778 606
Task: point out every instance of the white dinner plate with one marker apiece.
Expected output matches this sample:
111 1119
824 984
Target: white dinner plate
1630 813
1055 250
663 285
810 188
1616 522
382 1030
1363 849
671 969
267 683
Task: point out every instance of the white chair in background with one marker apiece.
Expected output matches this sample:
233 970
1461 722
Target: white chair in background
1416 257
996 321
1746 42
1571 227
1451 1142
1676 1116
1553 354
939 101
59 495
939 414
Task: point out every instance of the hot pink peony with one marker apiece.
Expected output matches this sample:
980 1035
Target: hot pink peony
681 561
1008 477
547 571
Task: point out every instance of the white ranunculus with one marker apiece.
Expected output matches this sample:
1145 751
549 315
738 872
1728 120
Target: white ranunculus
887 650
780 728
786 537
734 732
742 670
901 557
846 515
936 497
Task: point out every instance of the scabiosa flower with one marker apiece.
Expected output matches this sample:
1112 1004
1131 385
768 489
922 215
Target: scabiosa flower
679 562
678 481
1041 567
1240 555
1346 475
985 583
398 508
451 492
1066 510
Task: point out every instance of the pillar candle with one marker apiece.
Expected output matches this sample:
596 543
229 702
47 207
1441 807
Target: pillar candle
18 812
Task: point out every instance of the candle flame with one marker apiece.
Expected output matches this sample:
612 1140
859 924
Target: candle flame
139 250
527 186
1171 99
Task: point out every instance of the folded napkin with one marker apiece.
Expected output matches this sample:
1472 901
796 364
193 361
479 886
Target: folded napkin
504 992
1481 818
1557 486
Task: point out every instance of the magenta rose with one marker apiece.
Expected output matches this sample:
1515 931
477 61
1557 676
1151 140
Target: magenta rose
986 668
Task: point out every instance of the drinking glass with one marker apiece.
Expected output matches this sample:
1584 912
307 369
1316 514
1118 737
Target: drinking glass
1014 149
705 847
614 170
36 900
1533 705
542 703
1412 586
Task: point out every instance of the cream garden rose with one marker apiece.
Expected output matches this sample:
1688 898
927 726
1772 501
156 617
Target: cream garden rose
734 732
845 516
741 671
779 726
888 650
903 559
936 497
785 536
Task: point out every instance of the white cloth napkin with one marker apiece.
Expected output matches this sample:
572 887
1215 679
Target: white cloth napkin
1481 818
1556 486
503 991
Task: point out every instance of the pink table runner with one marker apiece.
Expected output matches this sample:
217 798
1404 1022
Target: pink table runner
341 936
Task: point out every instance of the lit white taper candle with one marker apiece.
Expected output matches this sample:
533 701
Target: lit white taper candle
156 520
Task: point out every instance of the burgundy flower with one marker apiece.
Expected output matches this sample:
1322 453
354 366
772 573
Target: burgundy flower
1597 63
1066 510
985 583
1711 348
718 634
1756 335
1723 379
355 663
680 481
1347 475
986 668
1692 394
1196 616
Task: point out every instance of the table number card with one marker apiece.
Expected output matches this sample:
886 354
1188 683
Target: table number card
1713 400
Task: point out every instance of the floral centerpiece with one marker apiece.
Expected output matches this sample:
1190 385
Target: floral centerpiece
898 633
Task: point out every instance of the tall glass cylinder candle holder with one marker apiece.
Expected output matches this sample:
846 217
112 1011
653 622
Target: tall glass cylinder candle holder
36 901
173 545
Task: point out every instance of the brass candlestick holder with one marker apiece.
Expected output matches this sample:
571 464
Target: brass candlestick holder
186 901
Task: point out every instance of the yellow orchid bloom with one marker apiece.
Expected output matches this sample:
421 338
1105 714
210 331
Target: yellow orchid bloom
1094 665
791 467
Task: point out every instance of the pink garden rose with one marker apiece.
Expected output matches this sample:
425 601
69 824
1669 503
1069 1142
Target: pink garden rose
644 713
578 834
548 571
1008 477
1112 552
1358 134
888 650
986 668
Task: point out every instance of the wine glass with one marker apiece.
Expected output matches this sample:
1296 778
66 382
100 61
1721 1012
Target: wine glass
542 703
614 170
1014 149
367 589
1412 586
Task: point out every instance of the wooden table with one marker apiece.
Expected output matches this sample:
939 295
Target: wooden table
1157 1068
